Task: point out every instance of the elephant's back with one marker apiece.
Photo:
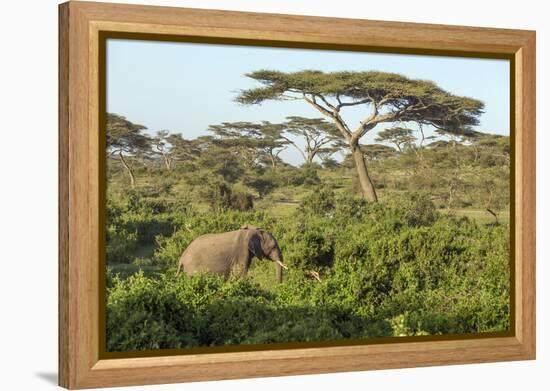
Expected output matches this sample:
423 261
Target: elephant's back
209 240
209 245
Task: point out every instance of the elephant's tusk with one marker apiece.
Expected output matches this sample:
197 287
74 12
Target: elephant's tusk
315 275
282 265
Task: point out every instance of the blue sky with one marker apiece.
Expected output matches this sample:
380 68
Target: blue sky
185 87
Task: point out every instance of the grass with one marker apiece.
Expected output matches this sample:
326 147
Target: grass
481 215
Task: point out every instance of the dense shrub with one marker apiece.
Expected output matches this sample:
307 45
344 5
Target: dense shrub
145 313
321 201
121 244
309 175
384 271
416 209
306 244
349 206
134 219
221 196
241 200
263 184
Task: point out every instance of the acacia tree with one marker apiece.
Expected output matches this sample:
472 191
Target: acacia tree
257 142
272 142
173 147
493 148
182 149
377 151
397 136
388 98
126 140
163 147
320 137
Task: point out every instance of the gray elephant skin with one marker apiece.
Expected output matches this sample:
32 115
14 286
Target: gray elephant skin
231 252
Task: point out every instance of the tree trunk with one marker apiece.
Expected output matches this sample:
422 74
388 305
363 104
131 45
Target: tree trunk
273 160
310 156
451 193
367 187
128 169
167 162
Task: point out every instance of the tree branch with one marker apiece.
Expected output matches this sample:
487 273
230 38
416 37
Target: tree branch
296 146
340 124
325 101
359 102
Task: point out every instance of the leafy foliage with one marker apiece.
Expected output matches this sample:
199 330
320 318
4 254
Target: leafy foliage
321 138
424 99
387 272
400 137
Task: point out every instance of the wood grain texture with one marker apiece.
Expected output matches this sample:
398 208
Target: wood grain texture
525 195
63 220
80 365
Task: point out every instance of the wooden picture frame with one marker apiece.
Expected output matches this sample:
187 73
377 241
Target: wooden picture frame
81 364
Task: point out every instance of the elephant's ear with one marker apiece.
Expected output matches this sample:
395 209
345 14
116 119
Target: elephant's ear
255 245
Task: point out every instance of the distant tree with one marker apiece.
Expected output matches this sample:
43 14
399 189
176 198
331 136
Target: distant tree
400 137
126 140
439 144
492 159
182 150
456 137
327 161
391 98
377 151
452 156
272 142
162 146
257 142
491 149
263 184
217 159
221 196
493 190
319 136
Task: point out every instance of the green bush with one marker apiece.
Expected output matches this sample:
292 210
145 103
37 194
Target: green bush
397 267
307 244
377 279
309 175
221 196
321 201
241 200
145 313
133 220
348 206
263 184
121 244
203 310
415 209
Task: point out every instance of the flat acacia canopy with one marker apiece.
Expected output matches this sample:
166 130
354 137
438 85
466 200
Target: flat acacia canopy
403 99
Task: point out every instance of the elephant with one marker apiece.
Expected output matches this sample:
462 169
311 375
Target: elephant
224 253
